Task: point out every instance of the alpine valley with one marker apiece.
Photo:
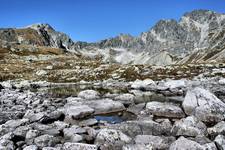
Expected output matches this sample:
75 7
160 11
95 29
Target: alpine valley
164 89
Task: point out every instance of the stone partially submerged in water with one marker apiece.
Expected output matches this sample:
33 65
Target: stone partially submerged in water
165 110
105 106
78 112
204 105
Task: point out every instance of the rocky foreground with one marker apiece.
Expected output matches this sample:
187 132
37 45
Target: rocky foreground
168 114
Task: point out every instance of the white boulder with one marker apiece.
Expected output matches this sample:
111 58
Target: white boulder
142 83
204 105
89 94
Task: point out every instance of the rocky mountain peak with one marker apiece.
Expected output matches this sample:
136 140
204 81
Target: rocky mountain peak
196 30
39 26
201 15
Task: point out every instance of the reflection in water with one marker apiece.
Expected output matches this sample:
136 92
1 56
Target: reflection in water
73 90
118 117
109 119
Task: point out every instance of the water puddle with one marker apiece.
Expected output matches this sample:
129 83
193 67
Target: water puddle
114 118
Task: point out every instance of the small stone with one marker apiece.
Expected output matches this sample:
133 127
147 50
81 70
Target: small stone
72 134
185 144
32 134
78 146
219 128
45 141
88 122
89 94
41 72
60 125
220 142
31 147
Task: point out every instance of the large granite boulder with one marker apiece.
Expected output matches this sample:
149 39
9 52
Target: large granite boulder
189 126
204 105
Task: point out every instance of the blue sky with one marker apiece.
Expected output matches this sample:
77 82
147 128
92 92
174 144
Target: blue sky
94 20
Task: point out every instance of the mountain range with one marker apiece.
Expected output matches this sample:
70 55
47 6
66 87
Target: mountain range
198 37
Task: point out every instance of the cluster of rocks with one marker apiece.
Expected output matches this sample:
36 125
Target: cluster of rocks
165 115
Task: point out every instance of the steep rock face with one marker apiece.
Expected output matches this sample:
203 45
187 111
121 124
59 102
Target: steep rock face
194 30
36 35
197 37
54 38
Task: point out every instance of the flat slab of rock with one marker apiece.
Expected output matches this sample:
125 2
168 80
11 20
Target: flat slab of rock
88 122
78 112
165 110
125 98
189 126
145 127
105 106
204 105
78 146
